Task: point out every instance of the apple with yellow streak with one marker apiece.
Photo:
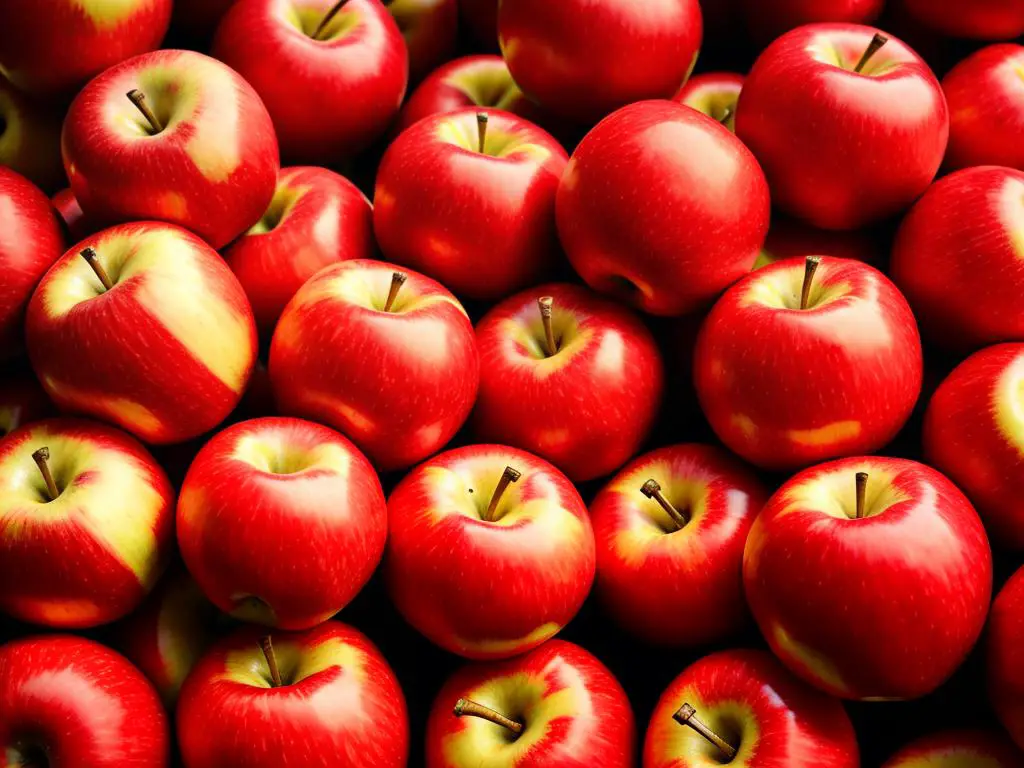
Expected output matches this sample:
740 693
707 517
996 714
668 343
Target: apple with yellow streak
959 749
145 326
86 523
174 136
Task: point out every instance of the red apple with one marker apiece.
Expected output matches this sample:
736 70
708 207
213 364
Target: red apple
789 238
677 517
835 538
958 749
555 706
481 17
468 198
974 433
388 358
281 522
582 60
979 19
145 326
321 697
665 229
316 218
752 706
586 405
715 94
849 125
1005 656
30 139
430 29
30 242
767 19
333 74
957 258
22 401
490 551
54 46
77 223
87 523
68 702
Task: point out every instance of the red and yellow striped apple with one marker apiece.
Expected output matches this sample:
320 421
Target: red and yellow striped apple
430 29
1005 657
22 401
958 749
714 94
30 139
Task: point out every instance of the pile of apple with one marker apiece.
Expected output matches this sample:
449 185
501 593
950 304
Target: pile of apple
568 245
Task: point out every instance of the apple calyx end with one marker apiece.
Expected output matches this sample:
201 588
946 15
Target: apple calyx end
509 476
469 708
687 715
876 44
41 457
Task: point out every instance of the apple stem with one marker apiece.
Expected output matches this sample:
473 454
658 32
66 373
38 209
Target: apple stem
862 489
464 707
546 304
271 657
687 716
92 259
510 475
327 18
397 281
873 47
138 98
41 458
810 267
726 114
481 130
652 490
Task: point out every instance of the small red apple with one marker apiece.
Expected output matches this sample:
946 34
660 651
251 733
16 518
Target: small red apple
715 94
958 749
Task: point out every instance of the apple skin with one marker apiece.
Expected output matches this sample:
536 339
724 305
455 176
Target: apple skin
481 223
789 239
768 19
630 52
22 401
281 522
165 354
957 258
329 99
72 702
785 388
479 589
974 433
979 19
666 230
714 94
91 555
813 573
958 749
698 566
399 384
1005 656
557 682
30 139
340 706
52 47
30 242
824 133
430 29
749 699
316 218
532 401
76 223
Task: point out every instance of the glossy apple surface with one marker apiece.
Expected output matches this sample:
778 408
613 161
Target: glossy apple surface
843 148
715 94
30 139
789 238
958 749
165 353
588 407
767 19
979 19
22 401
1005 657
488 585
814 570
665 230
430 29
572 711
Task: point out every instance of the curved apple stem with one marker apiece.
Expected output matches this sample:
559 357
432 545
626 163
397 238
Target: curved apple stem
327 18
724 117
138 98
481 131
467 707
873 47
268 652
652 490
510 475
397 281
546 305
810 267
92 259
862 489
687 716
42 458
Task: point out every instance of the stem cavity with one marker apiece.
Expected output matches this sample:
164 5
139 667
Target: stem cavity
481 131
138 98
810 267
397 281
268 652
687 716
546 305
652 490
862 490
873 47
42 458
510 475
93 260
327 19
467 707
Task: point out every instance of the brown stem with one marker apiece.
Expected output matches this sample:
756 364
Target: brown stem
508 476
327 18
92 259
652 490
397 281
481 130
41 458
271 657
138 98
687 716
862 490
724 117
546 304
464 707
810 267
873 47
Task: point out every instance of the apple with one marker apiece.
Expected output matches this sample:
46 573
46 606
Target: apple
974 433
321 697
833 539
315 218
555 705
979 19
849 125
667 230
1005 657
961 271
583 60
30 139
77 224
332 73
145 326
789 238
743 708
677 517
22 401
30 242
481 18
959 749
767 19
87 523
388 358
490 551
468 197
569 376
714 94
52 47
430 29
69 702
